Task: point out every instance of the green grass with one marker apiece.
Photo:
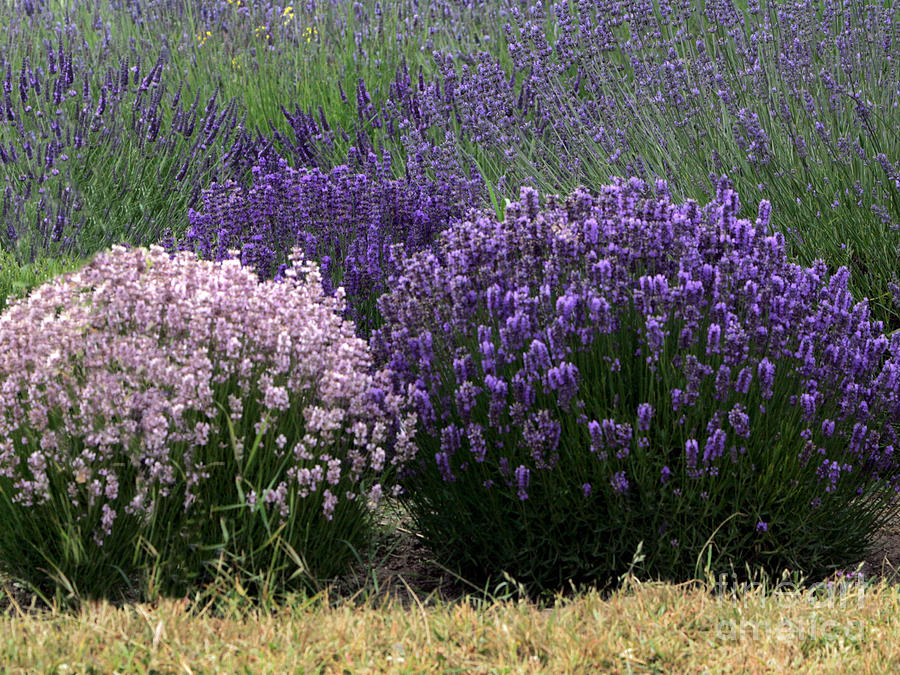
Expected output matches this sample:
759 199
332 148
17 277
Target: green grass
18 280
385 621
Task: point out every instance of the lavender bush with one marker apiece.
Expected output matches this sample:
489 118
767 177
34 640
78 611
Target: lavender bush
175 418
619 370
347 219
98 153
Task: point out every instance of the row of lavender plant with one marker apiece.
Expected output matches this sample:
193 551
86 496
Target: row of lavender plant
657 370
99 140
798 104
778 96
94 156
550 394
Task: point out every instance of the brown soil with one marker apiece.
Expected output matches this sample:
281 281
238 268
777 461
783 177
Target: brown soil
884 559
403 566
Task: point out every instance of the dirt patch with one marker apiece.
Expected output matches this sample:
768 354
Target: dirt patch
883 562
403 569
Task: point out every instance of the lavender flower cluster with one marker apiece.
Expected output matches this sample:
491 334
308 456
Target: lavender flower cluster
642 334
346 219
146 359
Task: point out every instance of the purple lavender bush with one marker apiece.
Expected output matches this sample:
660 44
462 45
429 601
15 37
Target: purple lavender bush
175 407
346 219
617 371
95 154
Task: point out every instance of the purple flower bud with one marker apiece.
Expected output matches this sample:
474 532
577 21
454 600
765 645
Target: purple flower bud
712 338
538 358
808 403
523 476
764 213
739 421
619 482
564 380
450 440
655 338
477 444
766 371
715 446
645 414
596 432
443 463
691 448
745 377
565 306
723 381
678 399
462 367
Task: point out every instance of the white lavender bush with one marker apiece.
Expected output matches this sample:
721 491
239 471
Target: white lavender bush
163 413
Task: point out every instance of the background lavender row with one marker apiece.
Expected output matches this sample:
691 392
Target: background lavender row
796 102
779 97
93 156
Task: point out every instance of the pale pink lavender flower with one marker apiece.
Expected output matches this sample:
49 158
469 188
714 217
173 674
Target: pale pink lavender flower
122 361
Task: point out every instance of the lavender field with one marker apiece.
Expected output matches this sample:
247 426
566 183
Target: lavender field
582 288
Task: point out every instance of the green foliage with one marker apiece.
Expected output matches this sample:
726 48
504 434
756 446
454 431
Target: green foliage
231 532
19 279
50 547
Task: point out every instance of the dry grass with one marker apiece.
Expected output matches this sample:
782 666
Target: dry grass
409 616
644 628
